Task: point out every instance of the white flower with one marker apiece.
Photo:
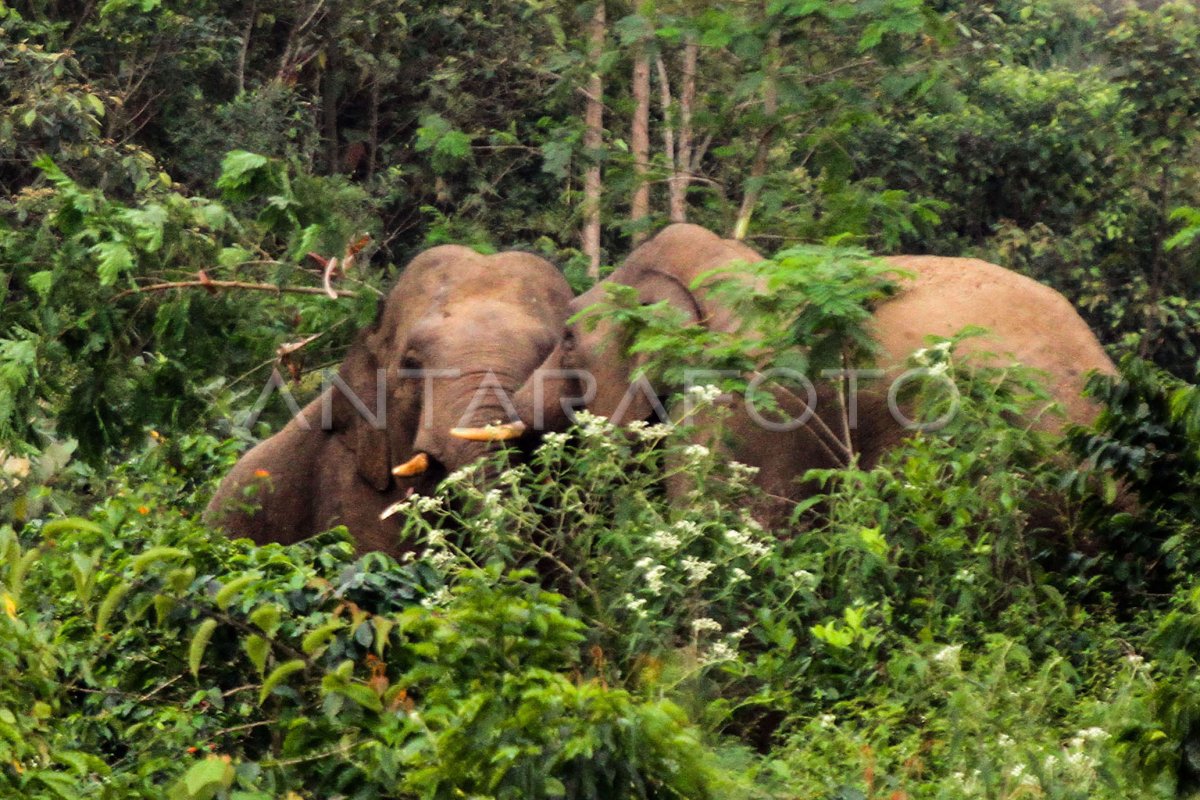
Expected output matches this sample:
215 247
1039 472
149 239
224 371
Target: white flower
704 394
555 439
591 424
1093 734
736 537
742 470
652 433
418 502
827 720
1016 770
696 569
705 624
1135 660
964 575
460 475
948 656
440 559
939 368
1004 740
720 651
439 598
805 578
636 604
436 537
695 452
739 634
664 540
739 575
654 574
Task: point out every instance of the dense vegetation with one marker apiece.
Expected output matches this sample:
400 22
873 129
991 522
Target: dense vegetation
175 179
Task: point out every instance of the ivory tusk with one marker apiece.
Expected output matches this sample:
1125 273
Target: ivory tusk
490 433
414 466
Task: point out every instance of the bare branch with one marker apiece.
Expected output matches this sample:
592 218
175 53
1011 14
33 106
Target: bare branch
243 285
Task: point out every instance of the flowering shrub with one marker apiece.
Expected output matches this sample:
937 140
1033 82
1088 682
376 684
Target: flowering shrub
585 624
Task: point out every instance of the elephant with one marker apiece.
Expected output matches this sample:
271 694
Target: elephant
453 339
940 296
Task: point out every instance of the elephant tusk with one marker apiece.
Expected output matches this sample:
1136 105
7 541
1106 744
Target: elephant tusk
414 466
490 433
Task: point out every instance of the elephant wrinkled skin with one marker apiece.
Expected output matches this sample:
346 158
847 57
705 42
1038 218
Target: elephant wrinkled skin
1024 318
456 335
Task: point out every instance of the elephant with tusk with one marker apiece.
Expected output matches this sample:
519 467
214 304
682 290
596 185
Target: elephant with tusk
590 369
455 337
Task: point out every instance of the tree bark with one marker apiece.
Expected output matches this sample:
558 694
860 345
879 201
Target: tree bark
683 152
759 168
593 139
244 49
665 101
639 141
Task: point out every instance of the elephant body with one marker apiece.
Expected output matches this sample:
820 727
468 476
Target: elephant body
1031 322
455 337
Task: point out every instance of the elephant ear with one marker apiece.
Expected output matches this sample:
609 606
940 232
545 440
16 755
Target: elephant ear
356 396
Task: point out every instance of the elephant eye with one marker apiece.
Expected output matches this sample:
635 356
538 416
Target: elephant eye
568 340
410 361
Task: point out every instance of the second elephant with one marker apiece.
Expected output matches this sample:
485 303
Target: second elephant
1028 320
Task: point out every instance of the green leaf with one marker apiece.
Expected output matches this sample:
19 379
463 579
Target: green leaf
199 643
266 617
277 677
257 648
42 282
230 590
58 526
109 605
204 779
319 636
240 170
114 258
363 695
383 627
154 554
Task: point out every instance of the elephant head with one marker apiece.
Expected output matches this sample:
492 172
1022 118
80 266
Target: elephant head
455 337
590 368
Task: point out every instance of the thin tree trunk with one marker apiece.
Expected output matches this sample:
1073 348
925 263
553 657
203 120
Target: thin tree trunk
373 125
639 139
245 48
1158 269
683 152
759 168
329 109
664 97
593 139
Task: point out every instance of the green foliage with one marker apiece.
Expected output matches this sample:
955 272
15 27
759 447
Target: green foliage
944 624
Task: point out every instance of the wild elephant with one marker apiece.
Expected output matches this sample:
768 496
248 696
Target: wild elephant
454 338
1030 321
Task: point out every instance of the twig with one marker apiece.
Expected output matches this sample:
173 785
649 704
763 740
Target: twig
252 287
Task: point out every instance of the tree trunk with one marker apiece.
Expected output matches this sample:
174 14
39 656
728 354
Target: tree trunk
593 139
329 110
665 101
373 125
759 168
683 152
639 140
